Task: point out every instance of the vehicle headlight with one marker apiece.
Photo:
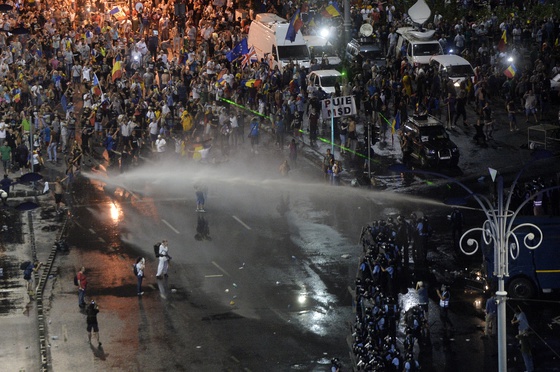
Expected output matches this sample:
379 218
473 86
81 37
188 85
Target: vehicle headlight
455 149
456 84
431 151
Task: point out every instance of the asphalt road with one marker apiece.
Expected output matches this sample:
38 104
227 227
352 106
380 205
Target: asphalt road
270 290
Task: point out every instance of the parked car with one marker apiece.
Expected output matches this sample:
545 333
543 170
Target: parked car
323 79
321 48
363 49
428 142
453 67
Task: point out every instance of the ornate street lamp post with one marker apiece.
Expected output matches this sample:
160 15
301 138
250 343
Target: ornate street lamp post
498 229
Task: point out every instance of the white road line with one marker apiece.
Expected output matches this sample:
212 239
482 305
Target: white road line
169 225
214 276
241 222
92 231
101 240
220 268
280 315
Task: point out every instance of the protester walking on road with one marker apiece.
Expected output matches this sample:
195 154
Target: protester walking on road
200 198
91 319
164 258
31 268
140 267
254 134
58 193
82 285
491 311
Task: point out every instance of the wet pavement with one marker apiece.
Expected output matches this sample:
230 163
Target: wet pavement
272 289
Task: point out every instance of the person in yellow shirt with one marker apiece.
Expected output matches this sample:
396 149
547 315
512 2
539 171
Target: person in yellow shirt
186 121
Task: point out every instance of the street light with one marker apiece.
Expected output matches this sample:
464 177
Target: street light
498 228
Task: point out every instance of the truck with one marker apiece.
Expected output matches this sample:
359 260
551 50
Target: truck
534 272
425 139
267 35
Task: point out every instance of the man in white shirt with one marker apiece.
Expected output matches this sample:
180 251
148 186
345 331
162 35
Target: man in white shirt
86 73
161 145
153 128
126 130
234 127
164 258
3 129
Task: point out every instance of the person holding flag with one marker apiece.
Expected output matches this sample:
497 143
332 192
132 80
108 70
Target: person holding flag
296 23
395 126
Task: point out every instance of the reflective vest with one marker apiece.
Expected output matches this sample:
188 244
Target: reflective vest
444 302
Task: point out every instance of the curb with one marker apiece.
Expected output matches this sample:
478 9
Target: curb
41 324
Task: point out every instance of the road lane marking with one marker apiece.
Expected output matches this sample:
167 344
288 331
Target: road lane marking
280 315
234 359
101 240
241 222
220 268
92 231
169 225
214 276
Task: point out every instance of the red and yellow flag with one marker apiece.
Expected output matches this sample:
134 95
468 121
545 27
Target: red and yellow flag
503 42
117 70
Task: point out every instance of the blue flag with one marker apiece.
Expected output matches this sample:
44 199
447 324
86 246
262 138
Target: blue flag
296 24
240 49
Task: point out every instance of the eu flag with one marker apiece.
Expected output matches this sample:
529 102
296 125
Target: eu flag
237 51
295 25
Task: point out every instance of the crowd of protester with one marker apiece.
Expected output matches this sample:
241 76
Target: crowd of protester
154 81
77 75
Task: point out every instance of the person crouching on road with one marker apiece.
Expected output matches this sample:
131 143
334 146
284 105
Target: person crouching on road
163 260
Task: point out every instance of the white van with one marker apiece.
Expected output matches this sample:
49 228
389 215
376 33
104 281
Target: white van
324 80
453 67
267 34
420 45
320 47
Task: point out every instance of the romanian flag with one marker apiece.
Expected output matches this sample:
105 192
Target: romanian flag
331 10
96 88
117 70
503 42
295 25
510 71
396 124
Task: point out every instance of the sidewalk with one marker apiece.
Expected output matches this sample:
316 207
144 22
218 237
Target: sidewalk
25 234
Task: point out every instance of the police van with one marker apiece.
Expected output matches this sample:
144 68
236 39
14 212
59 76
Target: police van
267 35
